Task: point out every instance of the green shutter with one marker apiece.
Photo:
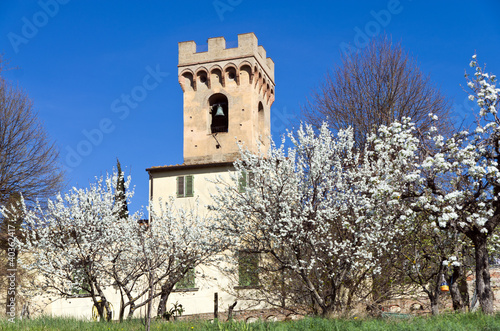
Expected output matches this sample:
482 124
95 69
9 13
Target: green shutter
187 281
248 267
189 186
242 182
250 179
180 186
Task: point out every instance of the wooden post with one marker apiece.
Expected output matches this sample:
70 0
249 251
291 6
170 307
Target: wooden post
230 311
216 305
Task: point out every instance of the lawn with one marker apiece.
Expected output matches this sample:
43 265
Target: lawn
456 322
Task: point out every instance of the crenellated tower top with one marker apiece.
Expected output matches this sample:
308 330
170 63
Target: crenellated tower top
228 93
247 47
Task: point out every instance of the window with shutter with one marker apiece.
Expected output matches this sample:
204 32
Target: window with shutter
81 283
248 269
188 281
185 186
245 179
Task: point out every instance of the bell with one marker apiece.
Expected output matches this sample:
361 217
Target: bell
219 111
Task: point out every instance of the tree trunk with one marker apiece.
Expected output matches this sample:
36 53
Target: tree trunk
122 306
434 292
131 310
456 296
150 302
109 313
103 304
99 307
162 305
326 310
230 311
434 308
434 299
483 285
464 290
283 289
130 302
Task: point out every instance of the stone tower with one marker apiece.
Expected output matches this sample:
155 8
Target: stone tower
228 93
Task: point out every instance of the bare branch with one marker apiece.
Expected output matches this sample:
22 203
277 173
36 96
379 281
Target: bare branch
376 86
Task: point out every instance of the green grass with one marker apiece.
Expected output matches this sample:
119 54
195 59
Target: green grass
455 322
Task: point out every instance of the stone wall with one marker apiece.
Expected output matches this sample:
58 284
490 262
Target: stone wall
420 304
417 305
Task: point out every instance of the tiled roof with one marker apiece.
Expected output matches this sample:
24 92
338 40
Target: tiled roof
188 166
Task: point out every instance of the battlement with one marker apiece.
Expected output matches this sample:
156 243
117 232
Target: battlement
247 47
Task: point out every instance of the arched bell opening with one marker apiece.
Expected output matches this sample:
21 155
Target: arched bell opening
219 113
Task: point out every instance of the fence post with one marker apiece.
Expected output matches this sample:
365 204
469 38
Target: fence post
216 305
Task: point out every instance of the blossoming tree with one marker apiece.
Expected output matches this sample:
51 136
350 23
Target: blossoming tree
463 179
68 241
316 213
81 243
457 184
325 213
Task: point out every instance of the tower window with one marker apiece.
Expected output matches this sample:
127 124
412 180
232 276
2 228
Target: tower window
245 74
203 79
260 115
231 73
219 113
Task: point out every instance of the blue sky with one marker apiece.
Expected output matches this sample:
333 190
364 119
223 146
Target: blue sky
77 60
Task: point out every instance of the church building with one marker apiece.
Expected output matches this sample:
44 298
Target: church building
228 93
